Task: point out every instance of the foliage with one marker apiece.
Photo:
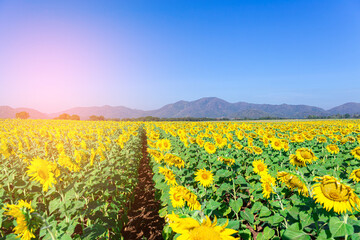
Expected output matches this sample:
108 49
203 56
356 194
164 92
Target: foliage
275 178
22 115
94 166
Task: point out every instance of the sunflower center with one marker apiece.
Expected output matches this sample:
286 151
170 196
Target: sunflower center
335 192
358 152
204 176
357 173
306 155
295 182
43 174
177 197
204 232
261 167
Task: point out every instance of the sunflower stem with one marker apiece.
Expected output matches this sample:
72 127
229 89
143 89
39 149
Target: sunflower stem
346 216
281 204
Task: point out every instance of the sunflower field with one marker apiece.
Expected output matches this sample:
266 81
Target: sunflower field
263 180
215 180
66 179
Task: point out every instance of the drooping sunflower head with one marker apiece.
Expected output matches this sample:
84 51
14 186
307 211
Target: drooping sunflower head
248 150
170 177
158 156
295 161
259 166
351 139
293 182
335 195
267 183
204 177
305 155
191 229
21 212
41 171
257 150
356 152
333 148
321 139
176 196
355 175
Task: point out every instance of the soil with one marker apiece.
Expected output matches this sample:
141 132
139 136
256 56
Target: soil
144 220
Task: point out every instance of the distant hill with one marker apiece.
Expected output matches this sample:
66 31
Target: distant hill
210 107
9 112
106 111
350 108
215 108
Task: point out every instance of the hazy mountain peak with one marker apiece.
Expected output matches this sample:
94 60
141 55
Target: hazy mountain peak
211 107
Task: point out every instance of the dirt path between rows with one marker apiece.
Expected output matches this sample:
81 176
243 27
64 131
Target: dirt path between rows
144 221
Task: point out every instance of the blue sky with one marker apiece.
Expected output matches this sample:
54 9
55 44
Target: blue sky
144 54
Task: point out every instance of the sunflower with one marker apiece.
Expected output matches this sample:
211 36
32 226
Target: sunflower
176 196
335 195
159 145
169 175
190 229
228 161
293 182
200 141
305 155
259 166
257 150
191 199
238 145
356 152
295 161
321 139
267 184
166 144
276 144
248 150
41 171
333 148
204 177
158 156
351 139
21 213
355 175
210 148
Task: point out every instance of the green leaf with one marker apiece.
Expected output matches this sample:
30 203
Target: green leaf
223 173
324 235
223 187
338 228
233 224
212 205
264 212
245 234
305 219
267 234
54 205
93 231
247 215
291 234
236 204
256 207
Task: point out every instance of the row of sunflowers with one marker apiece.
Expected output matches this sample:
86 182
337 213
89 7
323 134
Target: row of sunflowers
263 180
66 179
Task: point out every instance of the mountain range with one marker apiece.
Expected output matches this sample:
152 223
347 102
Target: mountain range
210 107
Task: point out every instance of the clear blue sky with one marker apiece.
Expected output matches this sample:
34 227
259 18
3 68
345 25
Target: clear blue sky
143 54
